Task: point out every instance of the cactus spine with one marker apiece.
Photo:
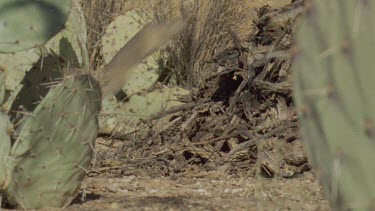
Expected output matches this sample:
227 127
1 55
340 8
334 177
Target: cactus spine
334 83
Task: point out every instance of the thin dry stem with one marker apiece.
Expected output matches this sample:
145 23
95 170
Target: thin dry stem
206 34
99 14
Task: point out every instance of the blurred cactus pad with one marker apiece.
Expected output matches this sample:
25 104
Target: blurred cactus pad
334 84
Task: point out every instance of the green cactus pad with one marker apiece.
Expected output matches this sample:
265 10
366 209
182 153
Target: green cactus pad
2 87
161 99
124 118
334 84
54 149
118 33
61 52
43 65
78 24
67 42
14 67
26 24
35 85
5 146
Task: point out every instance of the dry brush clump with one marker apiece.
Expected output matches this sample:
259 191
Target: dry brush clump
240 122
99 14
206 34
242 105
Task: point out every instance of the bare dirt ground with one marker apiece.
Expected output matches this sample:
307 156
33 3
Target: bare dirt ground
235 145
209 191
120 187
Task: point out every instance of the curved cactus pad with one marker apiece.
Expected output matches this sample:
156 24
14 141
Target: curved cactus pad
334 83
4 151
2 87
66 43
55 147
120 32
125 118
26 24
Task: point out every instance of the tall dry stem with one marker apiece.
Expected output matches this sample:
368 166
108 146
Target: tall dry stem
205 35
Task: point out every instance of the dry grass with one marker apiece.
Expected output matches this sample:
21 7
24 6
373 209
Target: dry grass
205 35
98 14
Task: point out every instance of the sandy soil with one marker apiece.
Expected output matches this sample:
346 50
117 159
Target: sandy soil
203 192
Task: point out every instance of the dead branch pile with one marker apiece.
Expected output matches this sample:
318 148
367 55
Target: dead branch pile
240 121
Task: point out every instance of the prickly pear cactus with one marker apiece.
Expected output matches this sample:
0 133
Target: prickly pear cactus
118 33
34 86
5 146
125 118
32 71
68 43
158 100
2 87
45 158
15 66
26 24
53 152
334 83
37 67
